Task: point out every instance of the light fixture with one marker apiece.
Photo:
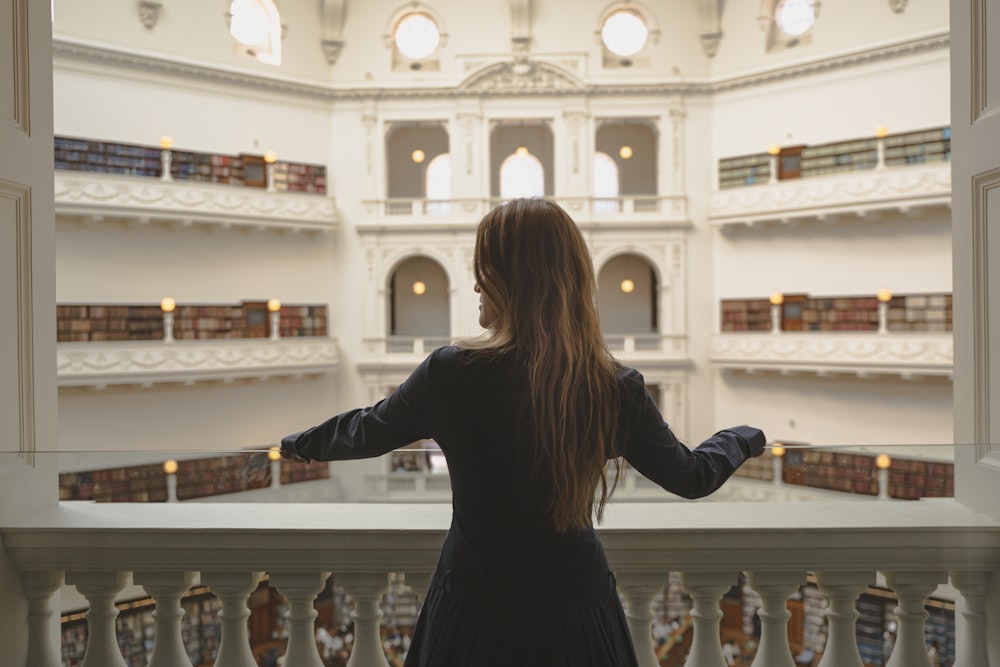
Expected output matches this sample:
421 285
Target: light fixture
166 142
625 152
884 295
418 156
773 149
776 299
777 450
256 29
170 467
522 151
883 461
881 131
628 286
417 36
274 454
167 304
270 157
419 287
274 305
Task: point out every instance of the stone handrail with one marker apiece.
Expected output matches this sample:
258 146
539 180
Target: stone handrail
916 545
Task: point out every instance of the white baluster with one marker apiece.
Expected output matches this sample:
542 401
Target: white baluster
43 643
167 588
366 588
970 650
706 589
639 589
301 589
842 589
100 589
233 589
911 589
774 589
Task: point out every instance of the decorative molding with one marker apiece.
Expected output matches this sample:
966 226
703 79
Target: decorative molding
522 76
840 196
710 42
97 197
149 13
331 49
862 354
545 78
150 362
898 6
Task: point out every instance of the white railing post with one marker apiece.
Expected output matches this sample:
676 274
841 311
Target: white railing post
301 589
167 588
842 589
706 590
366 588
639 589
774 589
912 589
233 589
970 637
43 643
100 589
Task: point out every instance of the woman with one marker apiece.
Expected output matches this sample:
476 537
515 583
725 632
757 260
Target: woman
528 418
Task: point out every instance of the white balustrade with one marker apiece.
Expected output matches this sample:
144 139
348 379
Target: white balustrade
706 590
842 589
639 589
39 587
366 588
912 590
100 589
300 589
167 588
970 649
774 589
233 589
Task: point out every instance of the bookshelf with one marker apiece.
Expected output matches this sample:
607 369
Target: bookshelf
746 315
72 154
932 145
909 479
735 172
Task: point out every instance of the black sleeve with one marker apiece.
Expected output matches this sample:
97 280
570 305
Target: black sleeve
650 447
394 422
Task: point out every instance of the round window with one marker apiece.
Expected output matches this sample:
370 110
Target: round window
624 33
794 17
417 36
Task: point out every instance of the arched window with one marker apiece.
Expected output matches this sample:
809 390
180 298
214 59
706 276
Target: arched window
437 184
256 29
521 175
605 186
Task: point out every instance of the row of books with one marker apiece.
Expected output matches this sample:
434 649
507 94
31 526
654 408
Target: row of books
909 479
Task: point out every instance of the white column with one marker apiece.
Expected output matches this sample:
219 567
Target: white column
301 589
639 589
676 151
43 642
706 589
911 589
366 588
970 648
842 590
233 589
100 589
774 589
167 588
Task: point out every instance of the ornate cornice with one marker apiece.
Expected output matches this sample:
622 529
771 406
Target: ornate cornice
96 197
851 195
521 78
146 363
861 354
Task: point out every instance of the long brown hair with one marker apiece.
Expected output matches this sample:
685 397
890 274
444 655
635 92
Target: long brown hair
533 265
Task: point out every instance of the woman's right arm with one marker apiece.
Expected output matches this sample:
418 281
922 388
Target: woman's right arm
649 445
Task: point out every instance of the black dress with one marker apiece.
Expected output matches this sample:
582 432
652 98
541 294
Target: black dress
509 589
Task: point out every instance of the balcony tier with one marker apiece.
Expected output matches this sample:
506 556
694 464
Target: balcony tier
93 198
150 362
836 198
906 355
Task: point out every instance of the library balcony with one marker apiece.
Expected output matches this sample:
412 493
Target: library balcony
910 548
649 349
91 198
145 363
906 355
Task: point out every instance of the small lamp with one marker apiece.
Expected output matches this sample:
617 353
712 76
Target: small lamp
882 463
628 286
419 287
166 143
522 151
274 308
778 463
773 150
167 305
881 132
170 470
884 297
418 156
625 152
270 157
274 456
776 300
